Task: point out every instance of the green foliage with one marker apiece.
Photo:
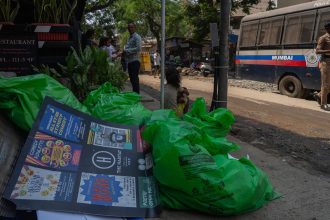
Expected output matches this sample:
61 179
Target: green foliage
200 16
53 11
184 18
245 5
271 5
200 13
46 70
8 13
115 75
99 16
87 69
147 16
90 68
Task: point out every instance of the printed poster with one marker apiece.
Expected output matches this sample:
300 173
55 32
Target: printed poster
72 162
63 124
107 190
106 136
48 151
39 184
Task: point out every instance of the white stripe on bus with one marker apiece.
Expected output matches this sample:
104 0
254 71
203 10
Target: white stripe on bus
276 52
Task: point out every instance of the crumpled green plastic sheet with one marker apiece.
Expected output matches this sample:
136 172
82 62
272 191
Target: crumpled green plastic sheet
194 169
108 104
21 97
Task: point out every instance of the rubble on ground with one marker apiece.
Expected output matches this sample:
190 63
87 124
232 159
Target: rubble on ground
185 71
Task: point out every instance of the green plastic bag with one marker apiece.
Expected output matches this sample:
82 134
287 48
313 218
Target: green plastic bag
21 97
213 127
194 175
108 104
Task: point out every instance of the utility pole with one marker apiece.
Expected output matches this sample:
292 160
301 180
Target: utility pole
223 53
162 56
220 92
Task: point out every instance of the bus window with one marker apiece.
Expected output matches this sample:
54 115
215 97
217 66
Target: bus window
307 28
264 33
270 32
276 32
299 28
249 34
323 17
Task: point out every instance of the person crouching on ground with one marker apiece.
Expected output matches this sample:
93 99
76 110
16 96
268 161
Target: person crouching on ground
323 48
176 97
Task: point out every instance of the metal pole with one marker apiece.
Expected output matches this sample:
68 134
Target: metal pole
215 99
162 56
223 53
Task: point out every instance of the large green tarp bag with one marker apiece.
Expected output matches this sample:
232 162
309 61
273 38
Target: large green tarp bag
21 97
192 174
108 104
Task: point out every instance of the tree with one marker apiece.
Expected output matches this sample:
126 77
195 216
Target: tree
93 5
184 18
200 13
147 16
245 5
271 5
98 14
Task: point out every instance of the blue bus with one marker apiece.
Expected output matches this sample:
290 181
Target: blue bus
278 47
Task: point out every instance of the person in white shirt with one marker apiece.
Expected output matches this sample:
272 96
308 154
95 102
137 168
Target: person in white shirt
108 45
104 45
156 64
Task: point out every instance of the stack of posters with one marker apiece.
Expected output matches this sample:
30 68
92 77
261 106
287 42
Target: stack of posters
72 162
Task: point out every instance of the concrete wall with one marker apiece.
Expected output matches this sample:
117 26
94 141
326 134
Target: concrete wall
285 3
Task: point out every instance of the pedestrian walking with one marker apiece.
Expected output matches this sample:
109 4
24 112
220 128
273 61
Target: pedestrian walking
156 64
132 56
323 48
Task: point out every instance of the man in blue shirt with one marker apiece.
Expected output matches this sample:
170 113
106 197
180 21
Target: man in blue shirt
132 56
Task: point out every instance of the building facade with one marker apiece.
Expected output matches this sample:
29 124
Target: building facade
285 3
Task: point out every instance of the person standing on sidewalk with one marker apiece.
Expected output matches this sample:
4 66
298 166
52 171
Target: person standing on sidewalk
156 64
323 48
132 56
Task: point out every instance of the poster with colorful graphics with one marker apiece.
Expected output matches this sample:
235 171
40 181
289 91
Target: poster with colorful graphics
56 121
106 136
107 190
72 162
48 151
40 184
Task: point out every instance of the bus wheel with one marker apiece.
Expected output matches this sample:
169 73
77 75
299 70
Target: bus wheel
291 86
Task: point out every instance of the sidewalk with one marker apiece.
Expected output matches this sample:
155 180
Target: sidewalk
305 196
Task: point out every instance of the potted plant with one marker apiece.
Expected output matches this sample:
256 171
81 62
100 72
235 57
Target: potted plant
53 11
52 18
8 11
86 70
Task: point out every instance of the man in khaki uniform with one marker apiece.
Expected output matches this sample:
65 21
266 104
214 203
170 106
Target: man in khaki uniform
323 48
